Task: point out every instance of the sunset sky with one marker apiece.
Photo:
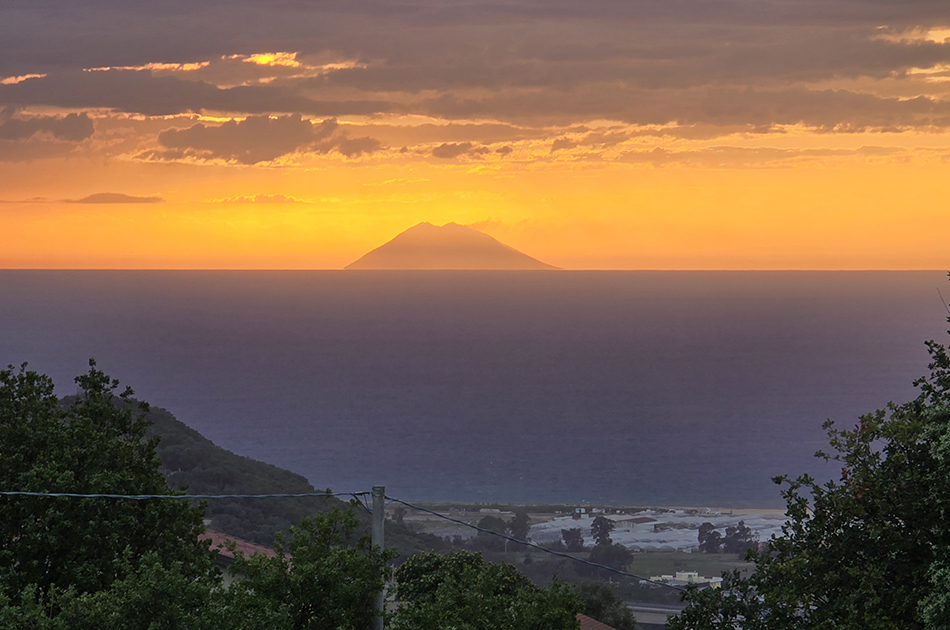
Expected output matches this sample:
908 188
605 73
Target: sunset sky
614 134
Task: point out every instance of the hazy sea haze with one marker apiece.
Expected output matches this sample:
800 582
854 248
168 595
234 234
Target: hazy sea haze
676 388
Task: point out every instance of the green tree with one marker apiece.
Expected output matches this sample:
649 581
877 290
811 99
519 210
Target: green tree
739 539
462 591
519 526
600 602
152 594
600 530
573 539
709 539
868 551
614 555
96 444
70 563
325 578
490 542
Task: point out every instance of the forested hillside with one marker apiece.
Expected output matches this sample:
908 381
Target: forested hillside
194 463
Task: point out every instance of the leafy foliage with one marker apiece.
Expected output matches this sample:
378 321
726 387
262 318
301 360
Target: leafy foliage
463 591
600 602
573 539
519 526
490 542
194 463
737 540
611 555
709 539
108 564
326 577
868 551
600 530
330 583
96 444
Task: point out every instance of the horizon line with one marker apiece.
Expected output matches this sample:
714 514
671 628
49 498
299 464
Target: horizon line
541 271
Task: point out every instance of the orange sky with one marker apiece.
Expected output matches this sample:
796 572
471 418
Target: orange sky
806 141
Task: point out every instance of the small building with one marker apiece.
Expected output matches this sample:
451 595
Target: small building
592 624
225 558
685 578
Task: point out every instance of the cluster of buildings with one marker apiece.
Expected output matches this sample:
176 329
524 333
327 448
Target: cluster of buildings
685 578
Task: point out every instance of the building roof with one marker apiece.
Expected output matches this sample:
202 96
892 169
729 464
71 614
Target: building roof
248 548
592 624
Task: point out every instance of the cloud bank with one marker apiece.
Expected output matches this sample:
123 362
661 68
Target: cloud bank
108 197
260 139
481 70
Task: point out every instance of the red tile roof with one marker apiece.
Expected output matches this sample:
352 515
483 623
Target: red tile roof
217 542
591 624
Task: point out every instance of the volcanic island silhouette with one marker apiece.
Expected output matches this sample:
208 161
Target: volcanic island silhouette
451 246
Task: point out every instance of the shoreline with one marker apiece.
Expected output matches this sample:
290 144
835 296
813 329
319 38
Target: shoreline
550 508
637 528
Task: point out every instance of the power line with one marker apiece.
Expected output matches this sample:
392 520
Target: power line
943 302
534 545
141 497
359 496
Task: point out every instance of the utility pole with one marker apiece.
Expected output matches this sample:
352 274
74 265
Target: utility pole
379 520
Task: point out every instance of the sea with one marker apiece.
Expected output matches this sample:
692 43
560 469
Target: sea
590 387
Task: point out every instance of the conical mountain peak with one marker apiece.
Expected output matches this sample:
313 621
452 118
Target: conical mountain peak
451 246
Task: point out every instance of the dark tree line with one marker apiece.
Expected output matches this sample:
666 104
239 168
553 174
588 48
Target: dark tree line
517 527
736 540
604 551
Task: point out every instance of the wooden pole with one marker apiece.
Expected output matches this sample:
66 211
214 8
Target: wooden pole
379 520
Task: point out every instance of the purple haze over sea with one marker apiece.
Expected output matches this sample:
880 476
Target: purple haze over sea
688 388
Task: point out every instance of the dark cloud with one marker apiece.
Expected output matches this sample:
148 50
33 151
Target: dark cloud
60 33
108 197
259 139
72 127
484 133
26 138
139 91
449 150
826 110
526 63
357 146
255 139
731 157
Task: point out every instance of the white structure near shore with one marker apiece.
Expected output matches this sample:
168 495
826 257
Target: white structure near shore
656 530
685 578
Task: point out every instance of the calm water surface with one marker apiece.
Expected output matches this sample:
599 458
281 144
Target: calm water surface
619 387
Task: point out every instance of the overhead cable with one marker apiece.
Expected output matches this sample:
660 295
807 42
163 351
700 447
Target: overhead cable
141 497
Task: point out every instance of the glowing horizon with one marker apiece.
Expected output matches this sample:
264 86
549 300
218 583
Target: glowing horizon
713 139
